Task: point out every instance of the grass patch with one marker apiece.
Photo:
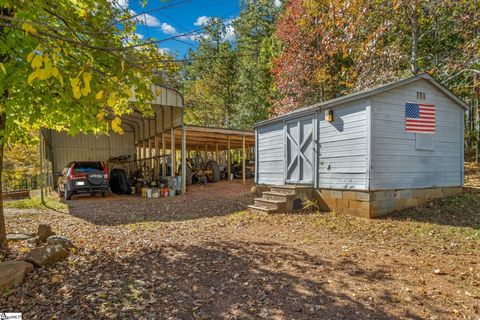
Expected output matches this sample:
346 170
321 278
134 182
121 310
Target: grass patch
35 202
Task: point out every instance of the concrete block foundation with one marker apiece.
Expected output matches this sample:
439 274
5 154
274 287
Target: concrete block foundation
372 204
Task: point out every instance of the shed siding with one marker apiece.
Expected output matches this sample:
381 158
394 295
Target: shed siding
396 162
271 154
83 147
343 147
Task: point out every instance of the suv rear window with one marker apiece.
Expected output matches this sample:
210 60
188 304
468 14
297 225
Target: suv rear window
86 167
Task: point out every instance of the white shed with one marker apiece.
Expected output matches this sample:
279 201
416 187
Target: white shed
368 153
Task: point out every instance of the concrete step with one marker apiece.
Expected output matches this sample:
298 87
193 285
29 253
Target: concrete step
280 196
278 205
257 209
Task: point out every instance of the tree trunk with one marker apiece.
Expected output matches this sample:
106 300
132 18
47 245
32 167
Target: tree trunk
415 36
3 58
3 230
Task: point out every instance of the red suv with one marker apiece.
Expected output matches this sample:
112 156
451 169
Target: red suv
83 177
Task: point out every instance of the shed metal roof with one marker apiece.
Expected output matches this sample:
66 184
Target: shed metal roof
364 94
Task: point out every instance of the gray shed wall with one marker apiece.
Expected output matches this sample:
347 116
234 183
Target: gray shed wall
342 158
270 146
366 147
396 161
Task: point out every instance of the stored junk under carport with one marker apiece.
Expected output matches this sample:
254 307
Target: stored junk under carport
149 149
142 145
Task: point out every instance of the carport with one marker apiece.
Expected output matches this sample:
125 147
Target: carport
217 143
162 141
144 140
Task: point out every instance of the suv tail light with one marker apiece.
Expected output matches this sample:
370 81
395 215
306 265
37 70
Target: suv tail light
105 173
70 172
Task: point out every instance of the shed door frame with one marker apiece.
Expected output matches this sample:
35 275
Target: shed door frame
314 142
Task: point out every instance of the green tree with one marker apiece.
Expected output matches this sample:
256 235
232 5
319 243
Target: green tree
209 85
70 65
254 29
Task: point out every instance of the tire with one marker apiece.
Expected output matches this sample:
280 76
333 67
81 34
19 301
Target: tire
95 178
103 194
214 168
67 194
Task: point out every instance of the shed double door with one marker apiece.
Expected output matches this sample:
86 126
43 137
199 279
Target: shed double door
300 140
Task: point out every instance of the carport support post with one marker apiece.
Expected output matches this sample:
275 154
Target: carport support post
184 155
229 158
216 152
164 159
206 152
243 159
172 145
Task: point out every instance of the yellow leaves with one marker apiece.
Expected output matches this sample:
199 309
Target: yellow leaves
2 67
99 95
114 79
55 72
123 66
30 56
29 28
37 62
100 116
87 77
116 125
78 92
60 78
75 84
112 100
128 92
158 91
31 77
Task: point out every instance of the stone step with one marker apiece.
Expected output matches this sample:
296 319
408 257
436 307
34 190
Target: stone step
279 205
280 196
257 209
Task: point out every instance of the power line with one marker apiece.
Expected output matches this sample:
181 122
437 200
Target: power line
186 60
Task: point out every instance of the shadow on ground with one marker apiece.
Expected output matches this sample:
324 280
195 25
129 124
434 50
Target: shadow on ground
218 199
221 280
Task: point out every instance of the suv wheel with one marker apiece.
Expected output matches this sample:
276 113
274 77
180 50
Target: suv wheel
67 194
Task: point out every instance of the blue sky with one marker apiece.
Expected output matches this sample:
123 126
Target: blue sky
182 16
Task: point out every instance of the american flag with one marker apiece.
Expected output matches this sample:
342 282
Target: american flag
419 117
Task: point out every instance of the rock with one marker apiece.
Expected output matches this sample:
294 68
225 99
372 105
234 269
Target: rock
18 237
64 242
12 273
46 255
35 240
44 231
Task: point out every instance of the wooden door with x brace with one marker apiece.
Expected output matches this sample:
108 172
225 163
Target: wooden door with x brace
300 140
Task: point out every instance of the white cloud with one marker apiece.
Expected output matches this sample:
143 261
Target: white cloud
123 4
140 36
277 3
168 29
148 20
229 33
201 21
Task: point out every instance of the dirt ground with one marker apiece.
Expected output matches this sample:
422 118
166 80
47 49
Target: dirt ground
202 256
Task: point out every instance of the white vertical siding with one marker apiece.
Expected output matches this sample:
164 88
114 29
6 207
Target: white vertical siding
271 154
396 163
342 162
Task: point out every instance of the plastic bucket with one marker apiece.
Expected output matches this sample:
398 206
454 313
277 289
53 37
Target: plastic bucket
149 193
172 192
